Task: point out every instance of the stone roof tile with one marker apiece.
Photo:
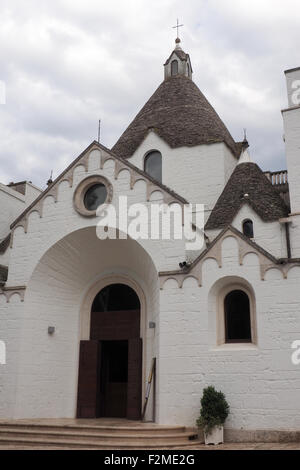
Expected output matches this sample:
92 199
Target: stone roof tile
181 115
247 184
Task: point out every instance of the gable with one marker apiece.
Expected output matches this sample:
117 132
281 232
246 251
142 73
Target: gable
82 160
56 215
214 251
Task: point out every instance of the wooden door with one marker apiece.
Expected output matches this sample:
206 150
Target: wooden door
134 386
115 326
88 379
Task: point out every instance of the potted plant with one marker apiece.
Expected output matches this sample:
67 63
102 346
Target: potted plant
213 413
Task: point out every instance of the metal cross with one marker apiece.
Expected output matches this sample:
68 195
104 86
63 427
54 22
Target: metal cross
178 26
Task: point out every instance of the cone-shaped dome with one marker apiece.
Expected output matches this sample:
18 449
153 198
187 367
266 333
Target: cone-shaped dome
181 115
247 184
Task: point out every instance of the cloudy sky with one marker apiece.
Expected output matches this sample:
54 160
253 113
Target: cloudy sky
67 63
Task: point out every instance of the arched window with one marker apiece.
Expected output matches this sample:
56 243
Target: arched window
153 165
116 297
248 230
188 69
237 317
174 67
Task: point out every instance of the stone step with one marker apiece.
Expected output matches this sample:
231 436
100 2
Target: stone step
50 442
94 429
107 434
101 437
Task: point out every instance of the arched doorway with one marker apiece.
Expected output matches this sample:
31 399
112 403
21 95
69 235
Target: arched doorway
110 363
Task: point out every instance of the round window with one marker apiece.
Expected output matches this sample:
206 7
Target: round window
92 192
95 196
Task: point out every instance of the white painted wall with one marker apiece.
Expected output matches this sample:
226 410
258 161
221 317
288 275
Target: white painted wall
60 219
260 382
198 174
31 193
294 227
293 86
268 235
13 203
58 259
291 120
55 295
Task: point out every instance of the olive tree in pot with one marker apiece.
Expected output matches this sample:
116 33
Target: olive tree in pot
213 414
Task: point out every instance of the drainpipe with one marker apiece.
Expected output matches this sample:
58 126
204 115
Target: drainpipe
286 222
288 240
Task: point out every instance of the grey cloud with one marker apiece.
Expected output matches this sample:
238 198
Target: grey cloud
66 64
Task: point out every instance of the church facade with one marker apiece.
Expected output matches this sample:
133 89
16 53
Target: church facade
82 318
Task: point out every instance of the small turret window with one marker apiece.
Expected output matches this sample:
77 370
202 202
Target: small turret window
174 67
153 165
248 229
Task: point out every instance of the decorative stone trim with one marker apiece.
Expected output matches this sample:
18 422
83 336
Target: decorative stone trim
80 191
10 291
136 174
245 247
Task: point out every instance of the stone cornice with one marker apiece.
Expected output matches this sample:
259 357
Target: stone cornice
8 292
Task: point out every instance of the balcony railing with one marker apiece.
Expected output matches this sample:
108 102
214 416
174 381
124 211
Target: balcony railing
277 178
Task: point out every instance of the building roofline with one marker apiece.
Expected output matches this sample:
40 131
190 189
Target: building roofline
124 162
292 108
12 192
292 70
232 229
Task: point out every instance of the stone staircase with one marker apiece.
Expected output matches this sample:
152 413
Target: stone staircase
93 434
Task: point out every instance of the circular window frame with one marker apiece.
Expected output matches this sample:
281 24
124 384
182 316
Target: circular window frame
83 187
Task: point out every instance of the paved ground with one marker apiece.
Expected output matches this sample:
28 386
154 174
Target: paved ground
251 446
119 423
231 446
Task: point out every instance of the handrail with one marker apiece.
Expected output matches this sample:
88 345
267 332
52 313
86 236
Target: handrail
152 376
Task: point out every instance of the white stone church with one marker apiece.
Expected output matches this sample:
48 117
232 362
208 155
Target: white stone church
83 318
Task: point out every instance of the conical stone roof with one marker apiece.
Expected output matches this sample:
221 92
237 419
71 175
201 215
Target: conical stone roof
247 185
181 115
